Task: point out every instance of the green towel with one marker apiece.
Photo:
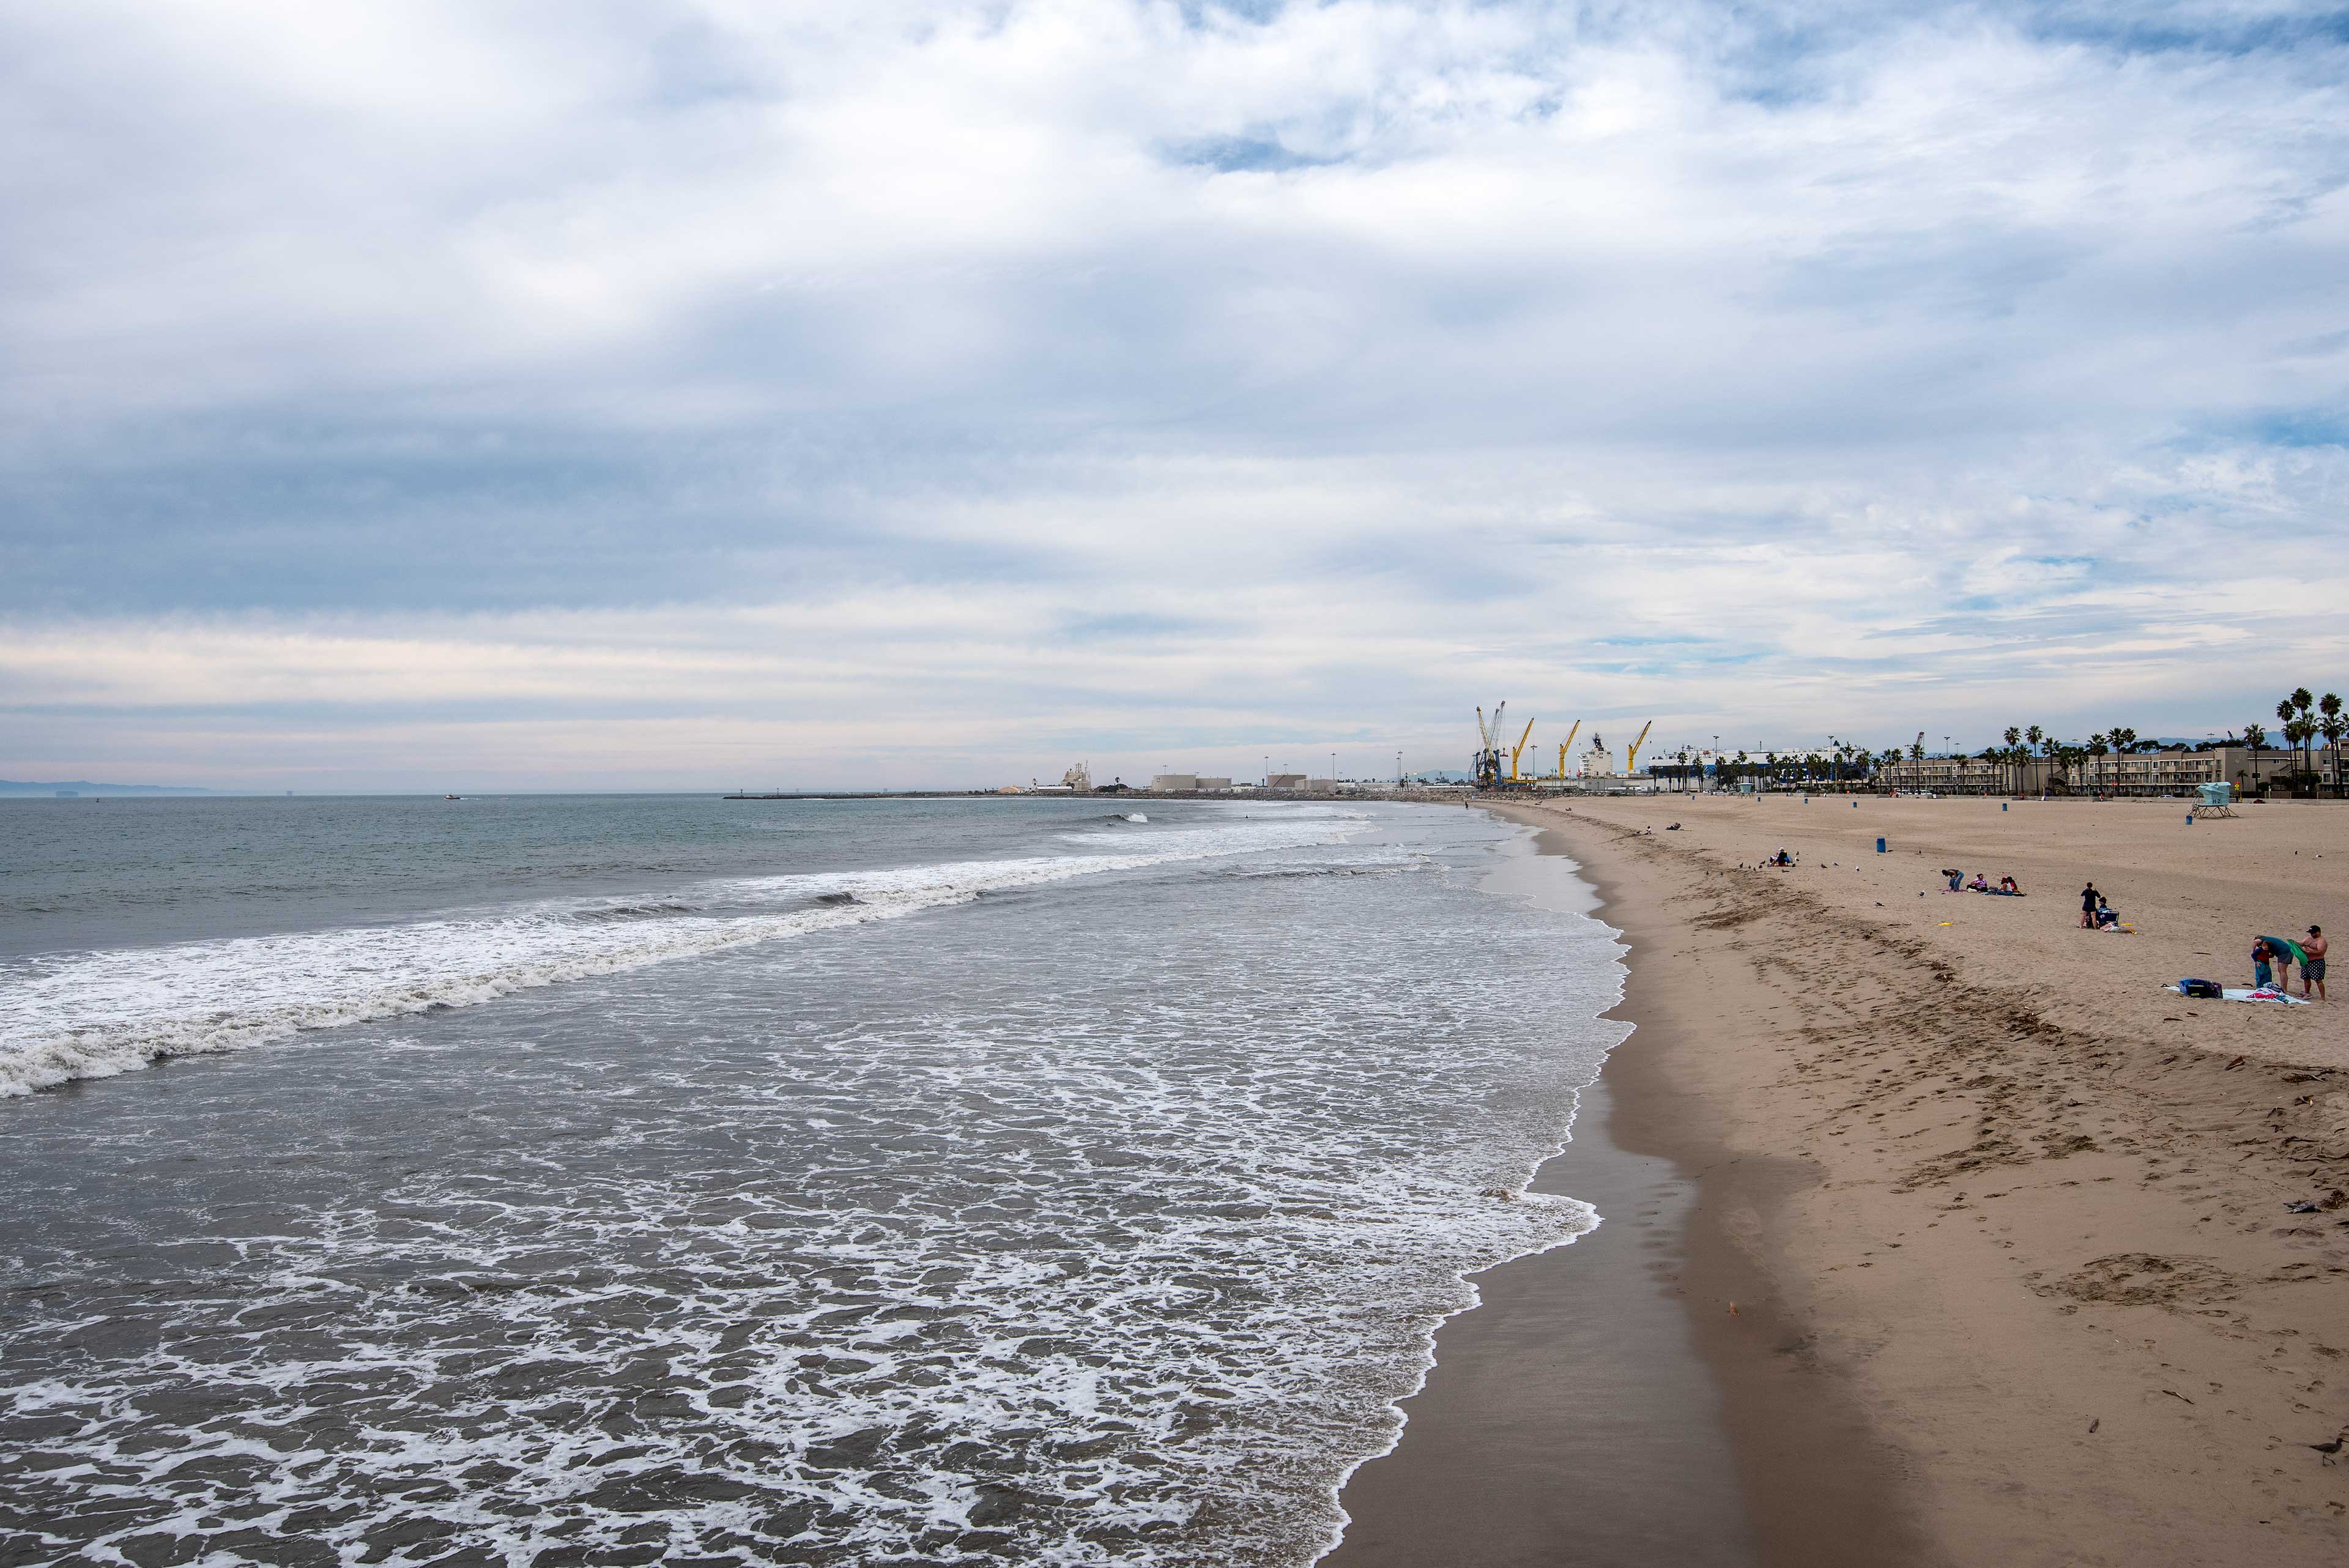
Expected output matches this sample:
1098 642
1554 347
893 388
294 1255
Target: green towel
2291 949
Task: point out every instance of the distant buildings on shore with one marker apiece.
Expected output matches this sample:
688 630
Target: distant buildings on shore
2177 771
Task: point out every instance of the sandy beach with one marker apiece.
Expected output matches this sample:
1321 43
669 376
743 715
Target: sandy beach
1989 1246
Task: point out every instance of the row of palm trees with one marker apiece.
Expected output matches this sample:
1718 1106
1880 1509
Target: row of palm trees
2303 720
2304 716
2022 744
1840 761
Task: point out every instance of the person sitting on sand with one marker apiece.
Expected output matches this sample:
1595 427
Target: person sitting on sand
2107 917
2006 885
2088 900
2311 966
1980 884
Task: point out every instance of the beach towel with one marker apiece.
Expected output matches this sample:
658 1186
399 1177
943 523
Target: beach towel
2267 994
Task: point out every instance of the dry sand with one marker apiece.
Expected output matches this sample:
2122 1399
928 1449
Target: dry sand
2003 1224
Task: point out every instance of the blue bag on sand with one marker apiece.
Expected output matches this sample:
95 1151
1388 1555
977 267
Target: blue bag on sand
2208 989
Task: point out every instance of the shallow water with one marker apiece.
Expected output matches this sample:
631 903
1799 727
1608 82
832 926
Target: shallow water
593 1190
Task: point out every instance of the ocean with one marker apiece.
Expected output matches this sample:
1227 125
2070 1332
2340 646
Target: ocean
544 1181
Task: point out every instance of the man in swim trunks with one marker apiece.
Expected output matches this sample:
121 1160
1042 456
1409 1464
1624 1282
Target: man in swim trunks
2311 966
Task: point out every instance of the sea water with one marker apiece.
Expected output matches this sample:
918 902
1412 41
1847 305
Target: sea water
535 1182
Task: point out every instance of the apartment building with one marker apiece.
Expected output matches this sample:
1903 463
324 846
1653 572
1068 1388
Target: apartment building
2177 772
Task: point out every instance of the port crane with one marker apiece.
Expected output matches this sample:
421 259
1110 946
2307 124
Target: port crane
1487 768
1562 746
1518 750
1631 757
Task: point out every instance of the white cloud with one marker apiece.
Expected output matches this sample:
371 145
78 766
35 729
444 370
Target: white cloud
1769 369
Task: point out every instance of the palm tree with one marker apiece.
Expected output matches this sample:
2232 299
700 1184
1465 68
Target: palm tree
2123 741
2014 741
2098 744
2255 737
2303 707
2334 728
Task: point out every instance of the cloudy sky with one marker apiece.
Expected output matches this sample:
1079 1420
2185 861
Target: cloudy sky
693 392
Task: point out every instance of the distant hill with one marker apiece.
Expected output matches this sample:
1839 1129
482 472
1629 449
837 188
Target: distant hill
83 787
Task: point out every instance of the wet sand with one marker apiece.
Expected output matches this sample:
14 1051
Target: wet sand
2005 1227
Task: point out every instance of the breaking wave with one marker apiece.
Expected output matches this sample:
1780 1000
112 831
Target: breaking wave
97 1014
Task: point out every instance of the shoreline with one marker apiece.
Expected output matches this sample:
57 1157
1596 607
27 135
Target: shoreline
1479 1454
2006 1233
1585 1410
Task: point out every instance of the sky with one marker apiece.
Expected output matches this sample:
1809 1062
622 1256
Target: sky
701 393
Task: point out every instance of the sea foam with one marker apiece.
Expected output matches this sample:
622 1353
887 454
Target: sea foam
96 1014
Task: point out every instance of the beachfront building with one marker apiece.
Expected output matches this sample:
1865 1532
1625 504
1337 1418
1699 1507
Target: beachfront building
2179 772
1966 775
1174 784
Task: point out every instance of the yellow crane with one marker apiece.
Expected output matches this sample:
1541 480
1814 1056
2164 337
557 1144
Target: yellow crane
1631 758
1518 750
1562 745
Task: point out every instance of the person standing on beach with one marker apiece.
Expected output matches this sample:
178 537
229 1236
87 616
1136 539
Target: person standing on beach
2089 896
2311 964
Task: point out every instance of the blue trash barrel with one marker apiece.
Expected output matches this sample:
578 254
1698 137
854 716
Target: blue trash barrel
1879 847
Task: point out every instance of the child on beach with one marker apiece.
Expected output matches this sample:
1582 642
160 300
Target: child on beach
2263 977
